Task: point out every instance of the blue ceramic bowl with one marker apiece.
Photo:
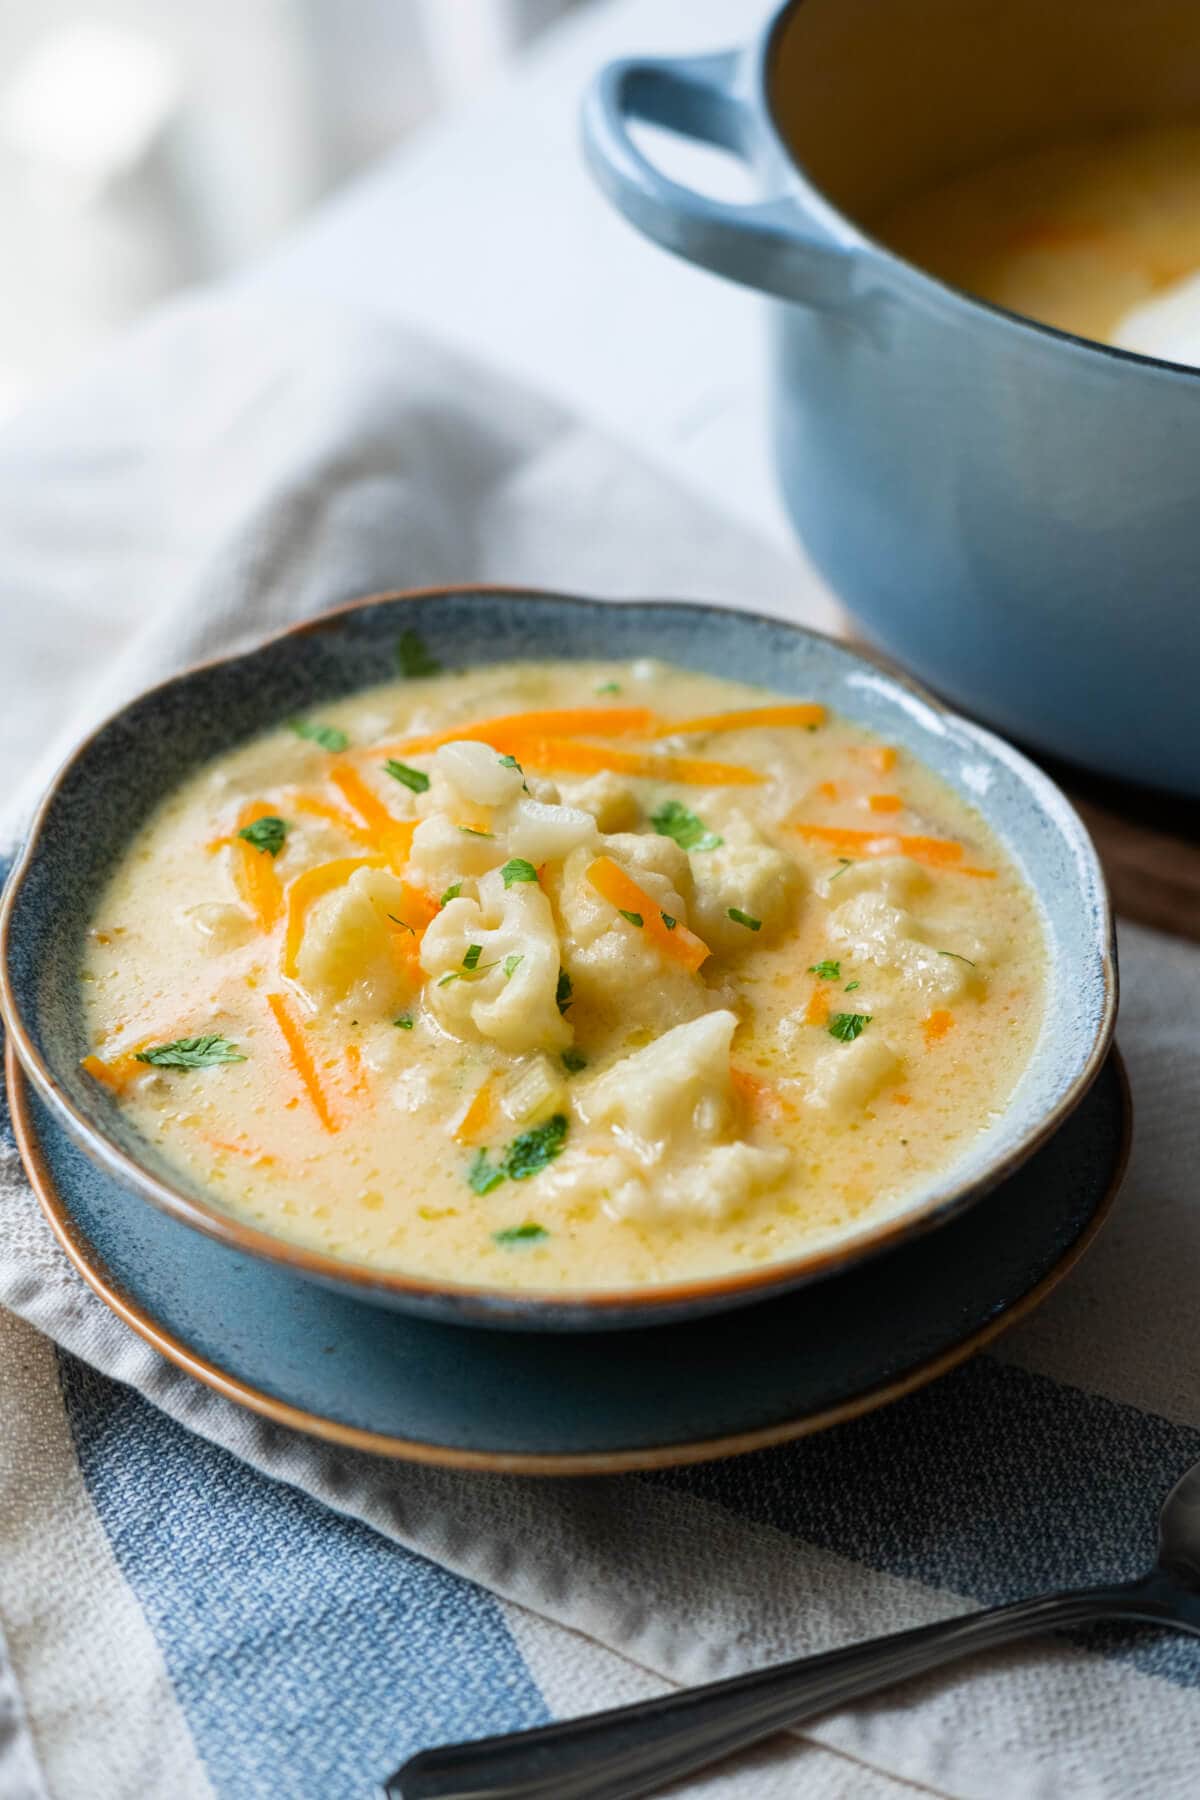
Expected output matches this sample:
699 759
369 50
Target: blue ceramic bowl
115 779
1009 510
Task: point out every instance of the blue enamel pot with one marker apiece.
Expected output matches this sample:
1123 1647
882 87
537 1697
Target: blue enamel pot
1011 512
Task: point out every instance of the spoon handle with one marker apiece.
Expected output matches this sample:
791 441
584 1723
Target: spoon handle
633 1750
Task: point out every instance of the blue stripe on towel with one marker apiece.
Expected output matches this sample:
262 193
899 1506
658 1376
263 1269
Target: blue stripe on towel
309 1654
994 1483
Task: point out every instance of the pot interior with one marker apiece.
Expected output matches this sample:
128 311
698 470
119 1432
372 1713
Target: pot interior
877 99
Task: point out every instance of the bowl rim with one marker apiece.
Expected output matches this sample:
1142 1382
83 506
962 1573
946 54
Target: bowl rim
479 1302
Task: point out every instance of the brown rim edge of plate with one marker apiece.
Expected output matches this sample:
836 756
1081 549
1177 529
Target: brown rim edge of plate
617 1462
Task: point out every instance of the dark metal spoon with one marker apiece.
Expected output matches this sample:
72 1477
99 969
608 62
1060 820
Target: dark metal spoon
633 1750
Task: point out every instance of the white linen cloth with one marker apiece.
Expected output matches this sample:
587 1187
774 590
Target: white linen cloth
229 469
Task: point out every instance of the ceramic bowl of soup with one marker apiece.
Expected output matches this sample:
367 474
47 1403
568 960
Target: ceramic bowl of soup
537 961
979 231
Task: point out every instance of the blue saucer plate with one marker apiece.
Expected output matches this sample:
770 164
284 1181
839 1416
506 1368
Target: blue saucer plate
343 1369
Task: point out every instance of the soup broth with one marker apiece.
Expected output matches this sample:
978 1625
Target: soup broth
563 975
1079 235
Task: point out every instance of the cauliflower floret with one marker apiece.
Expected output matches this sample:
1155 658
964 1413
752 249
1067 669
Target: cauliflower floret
748 873
679 1084
510 996
347 949
898 878
849 1076
543 833
442 853
713 1185
618 975
669 1107
891 938
477 773
656 863
612 804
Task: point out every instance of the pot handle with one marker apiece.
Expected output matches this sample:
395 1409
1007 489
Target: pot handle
767 245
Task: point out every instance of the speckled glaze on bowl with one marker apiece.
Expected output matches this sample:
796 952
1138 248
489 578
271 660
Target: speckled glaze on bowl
114 780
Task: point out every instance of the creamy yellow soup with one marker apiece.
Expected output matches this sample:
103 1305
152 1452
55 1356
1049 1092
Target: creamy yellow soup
567 975
1080 235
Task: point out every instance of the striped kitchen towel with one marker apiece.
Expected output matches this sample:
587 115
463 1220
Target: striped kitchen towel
194 1601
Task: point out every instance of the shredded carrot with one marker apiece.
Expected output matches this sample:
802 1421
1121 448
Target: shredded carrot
308 888
817 1010
393 836
901 1099
828 790
254 870
885 803
325 809
759 1097
746 718
358 1077
301 1058
882 757
473 1125
937 1025
417 909
240 1147
116 1074
575 721
568 756
620 890
938 853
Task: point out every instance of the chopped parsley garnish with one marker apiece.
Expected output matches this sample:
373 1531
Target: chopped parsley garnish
510 762
517 869
266 834
451 893
573 1061
191 1053
746 919
445 980
471 831
413 657
953 953
562 992
674 820
527 1155
471 959
634 918
826 971
668 921
404 1022
530 1153
328 736
848 1026
482 1177
412 778
847 862
609 687
511 965
850 986
519 1234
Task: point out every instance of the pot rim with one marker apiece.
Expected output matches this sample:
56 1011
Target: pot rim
850 236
